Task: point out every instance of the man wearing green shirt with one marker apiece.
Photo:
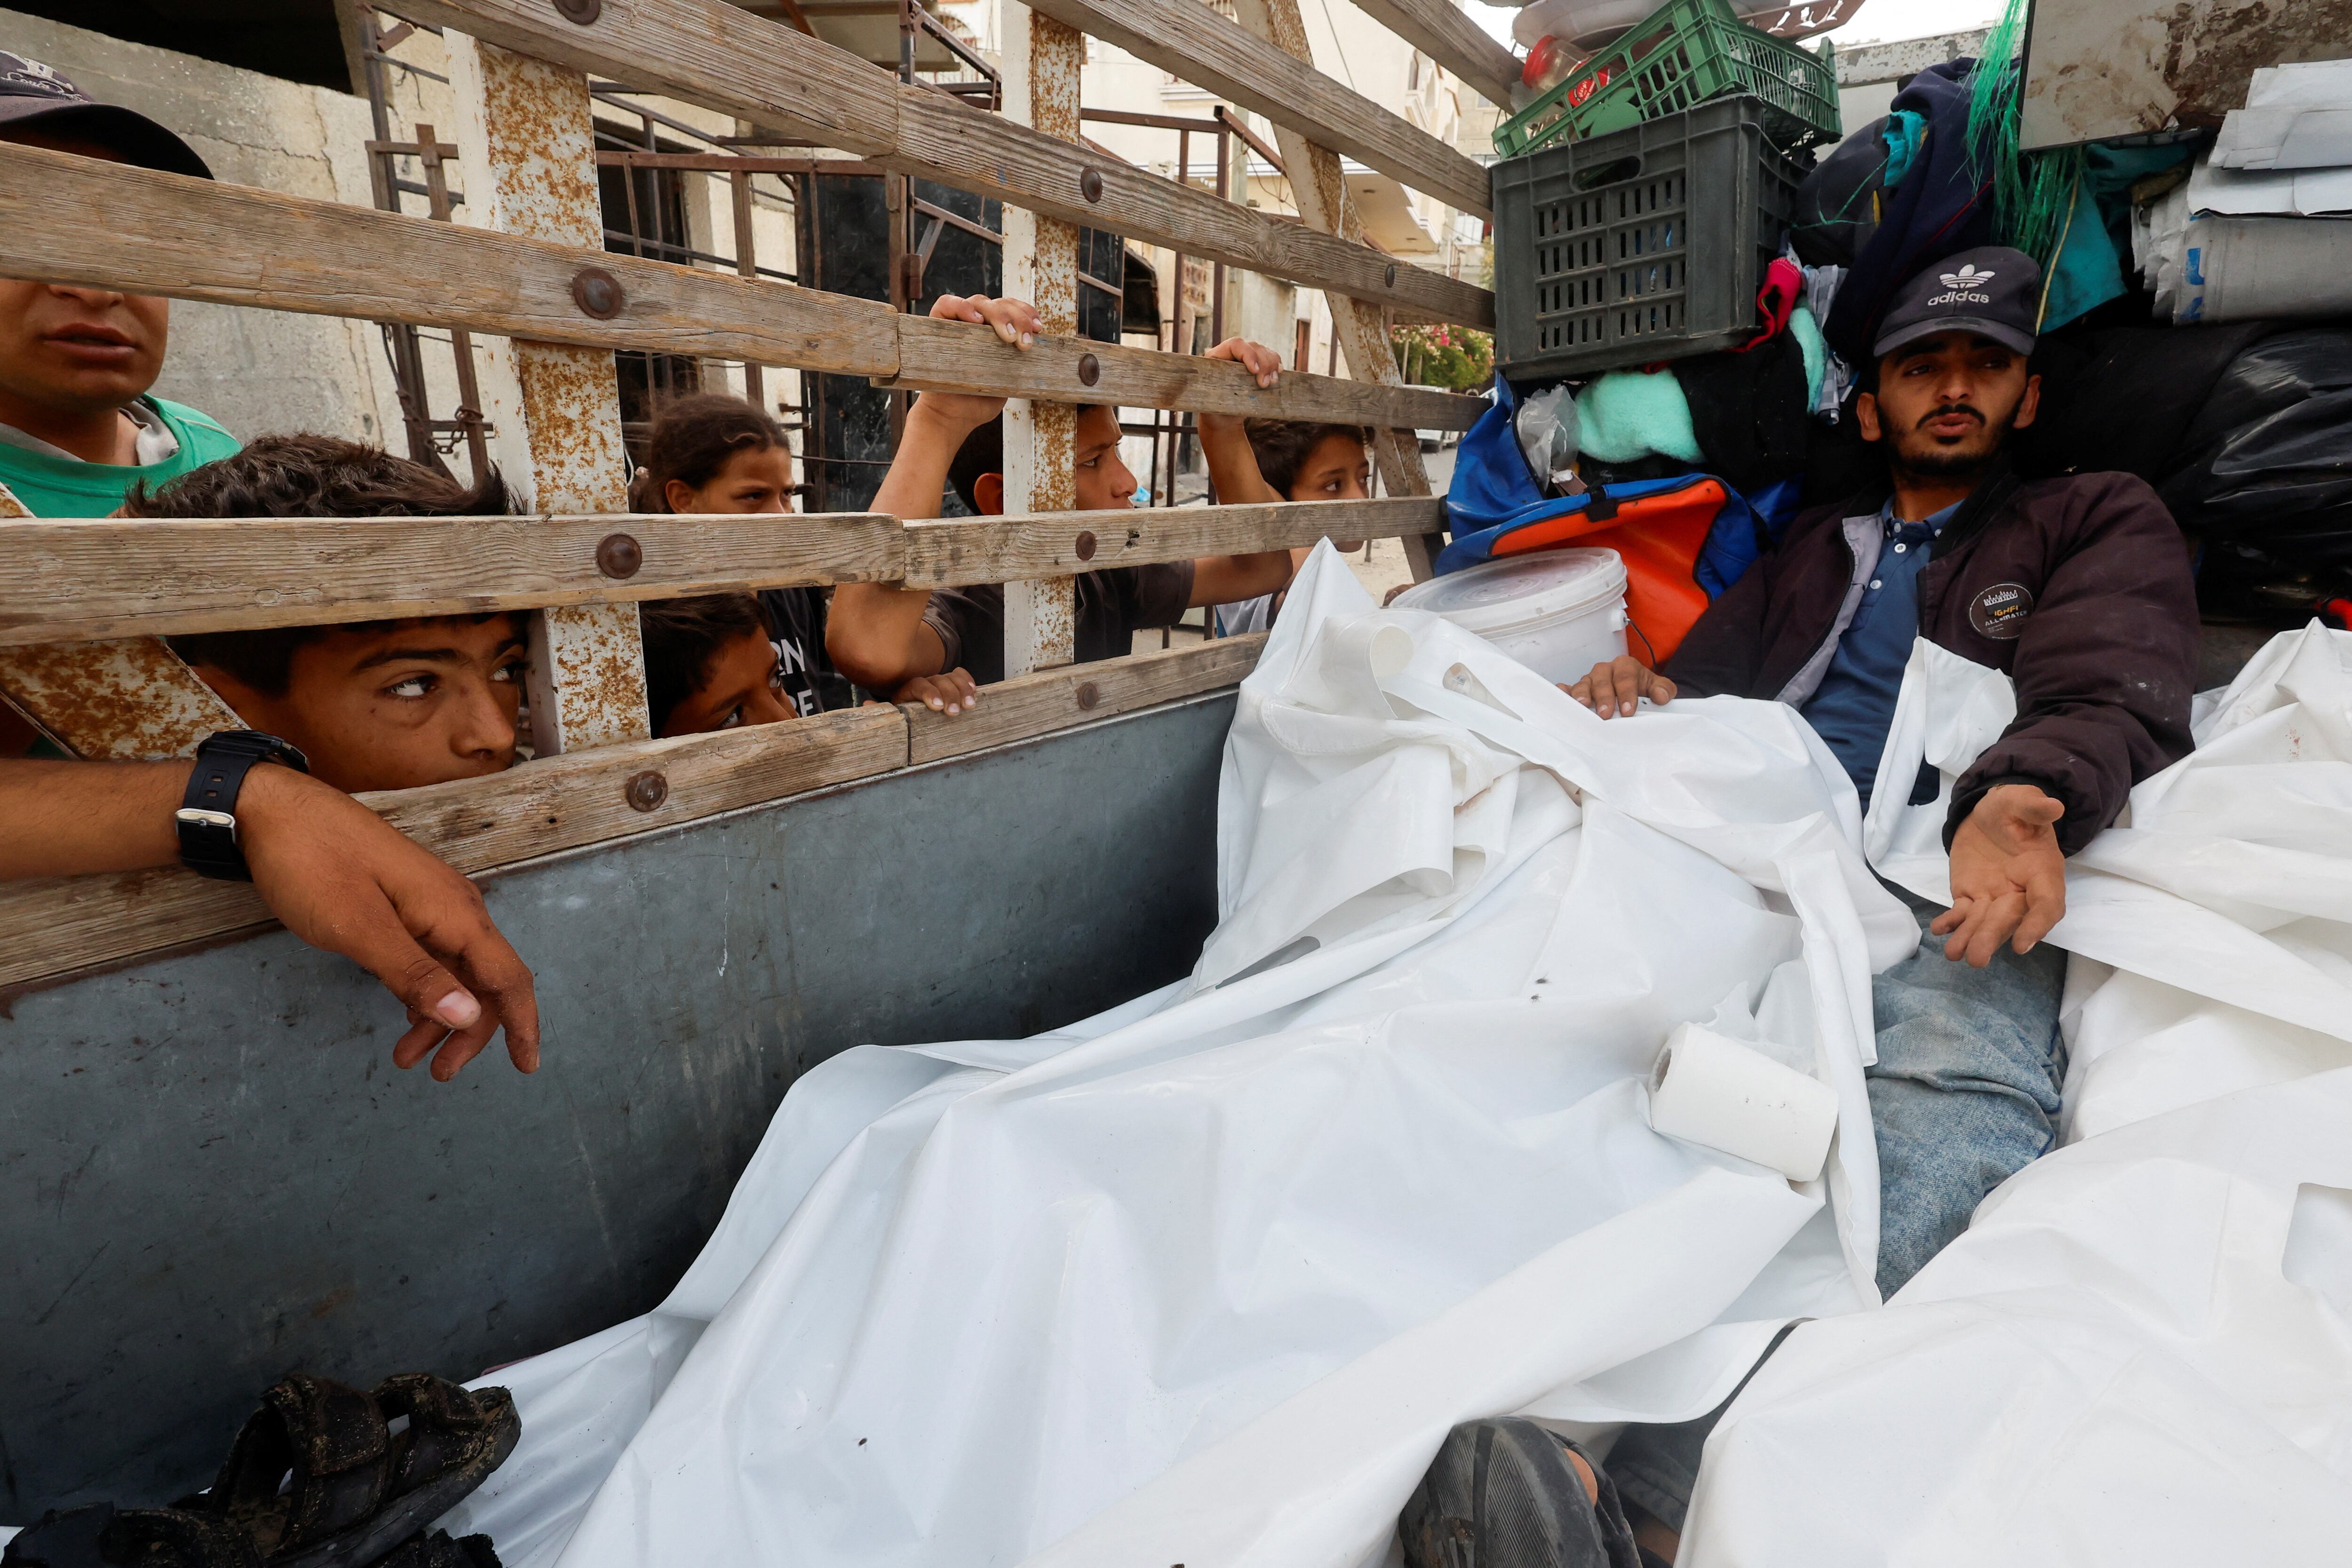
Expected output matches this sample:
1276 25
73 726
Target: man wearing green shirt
78 426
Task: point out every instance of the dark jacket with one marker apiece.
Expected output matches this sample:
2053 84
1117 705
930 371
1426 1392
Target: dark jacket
2076 587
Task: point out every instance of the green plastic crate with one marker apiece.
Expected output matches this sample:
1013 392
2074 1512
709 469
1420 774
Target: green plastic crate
1682 54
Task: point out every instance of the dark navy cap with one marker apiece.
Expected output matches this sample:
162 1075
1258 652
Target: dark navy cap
1993 292
33 96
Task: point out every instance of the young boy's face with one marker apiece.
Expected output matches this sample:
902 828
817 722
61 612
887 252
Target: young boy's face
1336 470
77 350
395 704
740 689
1104 484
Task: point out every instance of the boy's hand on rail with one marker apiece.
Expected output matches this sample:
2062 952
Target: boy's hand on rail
1616 688
2009 875
1255 358
344 879
950 693
1015 321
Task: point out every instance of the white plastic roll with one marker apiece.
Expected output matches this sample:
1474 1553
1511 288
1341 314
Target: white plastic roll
1710 1089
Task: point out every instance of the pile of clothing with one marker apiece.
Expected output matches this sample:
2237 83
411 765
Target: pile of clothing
2196 330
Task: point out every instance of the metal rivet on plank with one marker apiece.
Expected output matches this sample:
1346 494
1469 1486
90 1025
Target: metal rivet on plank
1389 277
597 293
1090 184
1088 695
1089 368
647 790
581 10
1086 551
619 556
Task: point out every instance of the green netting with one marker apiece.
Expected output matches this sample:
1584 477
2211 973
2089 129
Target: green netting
2033 192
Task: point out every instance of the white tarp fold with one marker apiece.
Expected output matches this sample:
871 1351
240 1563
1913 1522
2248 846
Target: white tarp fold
1204 1279
2141 1350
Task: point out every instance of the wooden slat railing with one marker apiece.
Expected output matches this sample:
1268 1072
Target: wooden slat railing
62 926
720 57
87 580
233 245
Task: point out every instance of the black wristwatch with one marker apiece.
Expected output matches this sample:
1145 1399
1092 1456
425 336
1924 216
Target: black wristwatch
207 815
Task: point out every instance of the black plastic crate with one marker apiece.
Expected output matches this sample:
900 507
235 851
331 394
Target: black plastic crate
1645 244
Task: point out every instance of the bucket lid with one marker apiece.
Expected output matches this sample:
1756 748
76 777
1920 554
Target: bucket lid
1540 586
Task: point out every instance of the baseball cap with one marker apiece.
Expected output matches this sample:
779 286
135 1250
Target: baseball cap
1993 291
32 95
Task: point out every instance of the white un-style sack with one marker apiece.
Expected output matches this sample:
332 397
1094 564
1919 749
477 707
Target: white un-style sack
2141 1350
1205 1280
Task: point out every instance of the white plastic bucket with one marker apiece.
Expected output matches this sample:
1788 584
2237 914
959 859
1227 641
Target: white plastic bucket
1558 611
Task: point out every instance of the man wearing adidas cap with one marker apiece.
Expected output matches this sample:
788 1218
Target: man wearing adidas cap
2078 589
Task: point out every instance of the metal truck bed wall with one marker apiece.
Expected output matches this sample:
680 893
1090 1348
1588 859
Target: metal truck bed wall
215 1176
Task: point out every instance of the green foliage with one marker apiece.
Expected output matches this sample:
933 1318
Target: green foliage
1454 358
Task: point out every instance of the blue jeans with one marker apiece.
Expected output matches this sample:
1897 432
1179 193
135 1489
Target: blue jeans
1964 1096
1965 1093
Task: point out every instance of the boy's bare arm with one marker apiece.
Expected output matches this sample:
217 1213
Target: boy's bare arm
875 634
1233 468
337 875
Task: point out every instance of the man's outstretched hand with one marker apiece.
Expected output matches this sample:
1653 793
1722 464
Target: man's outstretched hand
2009 875
1614 688
342 878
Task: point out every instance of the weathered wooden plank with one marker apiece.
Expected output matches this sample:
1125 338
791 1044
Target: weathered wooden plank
529 148
704 52
972 149
957 356
1189 39
714 54
111 577
993 550
64 219
1049 700
66 924
1447 36
1319 184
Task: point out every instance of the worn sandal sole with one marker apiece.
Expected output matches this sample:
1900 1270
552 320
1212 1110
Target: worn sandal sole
412 1511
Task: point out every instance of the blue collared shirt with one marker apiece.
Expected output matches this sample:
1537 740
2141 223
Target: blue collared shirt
1855 701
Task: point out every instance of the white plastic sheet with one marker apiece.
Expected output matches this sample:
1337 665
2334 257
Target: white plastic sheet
2141 1350
1206 1280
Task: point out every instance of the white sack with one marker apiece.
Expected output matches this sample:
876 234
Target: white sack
2140 1351
1206 1280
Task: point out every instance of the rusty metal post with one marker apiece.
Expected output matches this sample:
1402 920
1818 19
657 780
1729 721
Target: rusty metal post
1041 265
119 701
530 152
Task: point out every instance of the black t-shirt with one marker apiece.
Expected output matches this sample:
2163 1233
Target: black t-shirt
1112 606
804 676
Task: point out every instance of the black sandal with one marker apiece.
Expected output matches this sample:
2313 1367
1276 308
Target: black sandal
357 1489
1502 1494
437 1551
100 1536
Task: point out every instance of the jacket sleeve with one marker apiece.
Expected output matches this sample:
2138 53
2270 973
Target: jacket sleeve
1722 652
2104 667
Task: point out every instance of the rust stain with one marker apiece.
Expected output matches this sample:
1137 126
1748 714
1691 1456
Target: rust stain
118 701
